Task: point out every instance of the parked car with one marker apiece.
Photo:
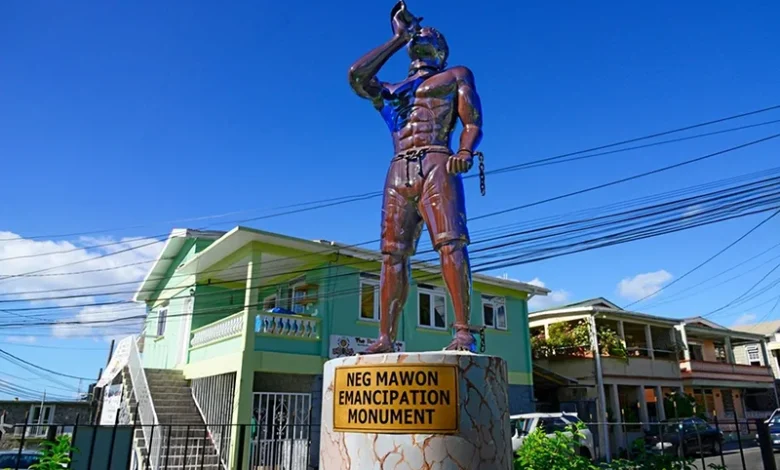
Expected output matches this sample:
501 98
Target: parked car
684 437
774 430
524 424
27 459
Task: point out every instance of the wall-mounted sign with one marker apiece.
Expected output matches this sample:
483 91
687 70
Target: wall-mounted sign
396 399
112 400
341 346
117 363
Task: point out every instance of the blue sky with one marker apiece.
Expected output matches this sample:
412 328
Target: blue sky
139 114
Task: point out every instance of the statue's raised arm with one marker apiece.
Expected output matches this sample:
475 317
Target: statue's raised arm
363 73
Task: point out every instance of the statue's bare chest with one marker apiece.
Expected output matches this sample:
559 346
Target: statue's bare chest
403 102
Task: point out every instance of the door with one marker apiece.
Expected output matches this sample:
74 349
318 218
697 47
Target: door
281 431
184 329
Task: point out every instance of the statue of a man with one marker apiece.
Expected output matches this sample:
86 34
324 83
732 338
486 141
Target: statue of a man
424 181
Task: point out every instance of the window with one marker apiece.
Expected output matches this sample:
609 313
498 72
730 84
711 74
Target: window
728 400
162 320
369 299
36 417
550 425
269 303
431 309
697 354
298 295
753 356
494 312
720 352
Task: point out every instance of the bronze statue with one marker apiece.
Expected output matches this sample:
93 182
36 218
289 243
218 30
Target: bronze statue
424 183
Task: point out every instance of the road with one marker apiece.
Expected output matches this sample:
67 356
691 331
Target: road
734 462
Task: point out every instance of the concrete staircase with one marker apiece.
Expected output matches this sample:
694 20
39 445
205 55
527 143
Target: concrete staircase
181 425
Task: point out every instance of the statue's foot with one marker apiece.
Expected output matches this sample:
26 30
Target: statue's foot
381 346
462 341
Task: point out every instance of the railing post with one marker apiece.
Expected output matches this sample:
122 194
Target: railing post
21 441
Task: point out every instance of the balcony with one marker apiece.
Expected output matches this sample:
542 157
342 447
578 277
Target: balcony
703 371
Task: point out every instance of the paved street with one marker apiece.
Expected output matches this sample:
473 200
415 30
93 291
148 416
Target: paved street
733 461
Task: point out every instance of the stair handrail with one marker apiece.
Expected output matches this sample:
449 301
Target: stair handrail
146 412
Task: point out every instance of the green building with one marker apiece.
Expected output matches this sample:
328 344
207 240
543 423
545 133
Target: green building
247 318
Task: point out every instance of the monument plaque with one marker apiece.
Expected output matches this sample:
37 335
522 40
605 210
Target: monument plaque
396 398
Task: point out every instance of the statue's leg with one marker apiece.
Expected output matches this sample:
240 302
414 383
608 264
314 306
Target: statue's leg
443 207
401 227
456 270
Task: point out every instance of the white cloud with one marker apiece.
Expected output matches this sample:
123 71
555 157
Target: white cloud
744 319
20 339
642 285
554 299
130 256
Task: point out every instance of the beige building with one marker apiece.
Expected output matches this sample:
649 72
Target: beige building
627 362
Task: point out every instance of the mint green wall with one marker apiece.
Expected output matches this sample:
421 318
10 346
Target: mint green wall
221 348
162 352
214 302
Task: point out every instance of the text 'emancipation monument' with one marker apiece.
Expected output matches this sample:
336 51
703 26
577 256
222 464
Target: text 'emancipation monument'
426 410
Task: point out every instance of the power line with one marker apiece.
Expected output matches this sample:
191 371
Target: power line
703 263
330 202
6 353
611 221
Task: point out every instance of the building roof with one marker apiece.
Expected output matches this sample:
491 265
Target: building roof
47 402
173 245
228 242
594 302
767 328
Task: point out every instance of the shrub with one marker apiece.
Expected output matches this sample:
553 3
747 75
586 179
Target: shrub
56 455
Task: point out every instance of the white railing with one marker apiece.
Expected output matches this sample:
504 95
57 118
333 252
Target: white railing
224 328
287 325
145 410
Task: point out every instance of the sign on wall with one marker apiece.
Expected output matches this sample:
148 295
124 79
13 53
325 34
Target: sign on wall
397 398
341 346
112 400
117 363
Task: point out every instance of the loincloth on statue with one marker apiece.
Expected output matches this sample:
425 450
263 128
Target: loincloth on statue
418 190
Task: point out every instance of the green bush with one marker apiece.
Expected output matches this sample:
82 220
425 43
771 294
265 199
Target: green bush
561 452
56 455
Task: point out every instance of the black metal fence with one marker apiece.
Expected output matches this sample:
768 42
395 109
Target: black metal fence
182 446
734 444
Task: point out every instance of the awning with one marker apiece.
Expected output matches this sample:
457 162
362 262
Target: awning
546 377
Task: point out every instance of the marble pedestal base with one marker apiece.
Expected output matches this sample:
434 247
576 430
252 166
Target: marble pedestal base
479 438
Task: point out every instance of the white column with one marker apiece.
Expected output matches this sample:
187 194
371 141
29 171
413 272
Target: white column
621 330
546 330
765 354
730 351
644 416
617 416
659 403
684 336
594 346
649 340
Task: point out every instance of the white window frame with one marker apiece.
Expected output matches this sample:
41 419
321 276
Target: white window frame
162 321
496 303
31 420
432 293
367 281
753 350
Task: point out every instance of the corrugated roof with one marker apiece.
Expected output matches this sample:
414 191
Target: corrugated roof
765 328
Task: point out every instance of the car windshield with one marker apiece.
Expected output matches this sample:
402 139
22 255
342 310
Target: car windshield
775 419
522 425
9 461
571 418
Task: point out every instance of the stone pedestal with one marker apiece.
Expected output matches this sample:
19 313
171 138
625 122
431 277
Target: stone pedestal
415 411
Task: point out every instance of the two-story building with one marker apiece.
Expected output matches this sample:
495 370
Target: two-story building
28 421
246 319
626 362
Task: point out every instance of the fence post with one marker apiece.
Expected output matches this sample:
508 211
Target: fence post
168 446
132 441
765 441
113 440
149 448
739 440
186 446
73 440
92 446
717 426
241 435
205 437
21 442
